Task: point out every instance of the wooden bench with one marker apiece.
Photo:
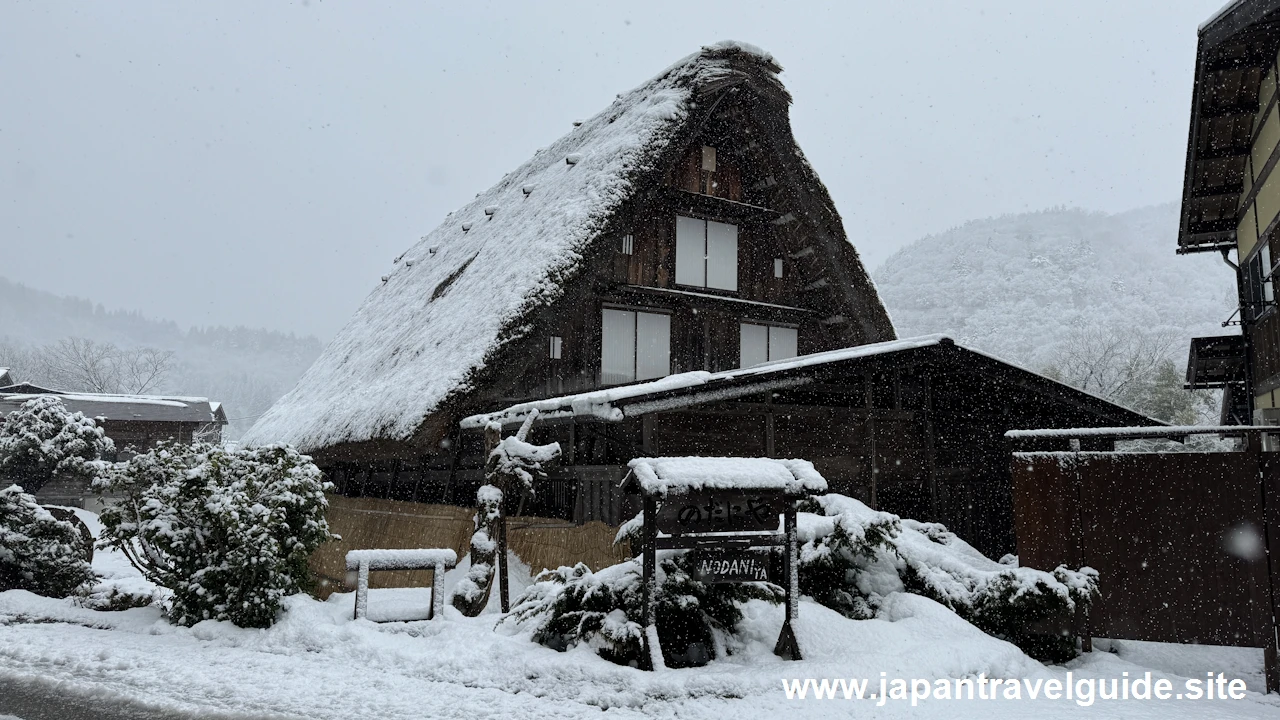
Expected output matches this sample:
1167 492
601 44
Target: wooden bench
435 559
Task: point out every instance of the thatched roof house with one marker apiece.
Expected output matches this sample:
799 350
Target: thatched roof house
520 293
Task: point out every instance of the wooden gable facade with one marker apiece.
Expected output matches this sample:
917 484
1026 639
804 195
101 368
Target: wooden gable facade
779 276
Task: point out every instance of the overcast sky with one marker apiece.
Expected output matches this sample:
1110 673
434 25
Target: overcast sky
262 163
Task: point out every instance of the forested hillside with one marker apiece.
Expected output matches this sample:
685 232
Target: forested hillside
245 368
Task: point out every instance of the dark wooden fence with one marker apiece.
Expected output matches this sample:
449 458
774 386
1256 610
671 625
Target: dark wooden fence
1184 542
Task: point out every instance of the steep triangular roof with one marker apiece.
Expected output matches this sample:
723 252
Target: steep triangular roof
456 297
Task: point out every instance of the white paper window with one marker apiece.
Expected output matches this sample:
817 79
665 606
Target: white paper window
755 344
777 267
628 244
556 344
782 342
691 251
763 343
708 158
653 345
634 346
1268 290
706 253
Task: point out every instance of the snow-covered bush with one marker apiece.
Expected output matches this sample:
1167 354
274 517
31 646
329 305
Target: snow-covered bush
853 557
605 610
42 441
229 532
38 552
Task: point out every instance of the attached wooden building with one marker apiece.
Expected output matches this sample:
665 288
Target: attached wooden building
678 234
1231 202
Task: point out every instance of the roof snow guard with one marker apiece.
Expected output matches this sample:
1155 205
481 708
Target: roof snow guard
424 337
680 475
1236 46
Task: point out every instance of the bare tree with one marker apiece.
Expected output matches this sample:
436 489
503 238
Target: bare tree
25 364
1111 362
139 370
1133 368
76 363
83 364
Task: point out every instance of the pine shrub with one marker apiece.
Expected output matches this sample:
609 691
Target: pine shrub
229 532
604 610
38 552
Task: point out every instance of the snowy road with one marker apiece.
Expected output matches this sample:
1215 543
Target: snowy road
318 663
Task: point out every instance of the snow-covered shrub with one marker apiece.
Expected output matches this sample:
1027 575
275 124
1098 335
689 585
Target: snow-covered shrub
853 557
38 552
42 441
229 532
605 610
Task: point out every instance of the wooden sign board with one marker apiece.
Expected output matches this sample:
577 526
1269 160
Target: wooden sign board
721 511
731 566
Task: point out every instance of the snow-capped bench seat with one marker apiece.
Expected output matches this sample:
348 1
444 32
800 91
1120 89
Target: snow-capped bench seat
435 559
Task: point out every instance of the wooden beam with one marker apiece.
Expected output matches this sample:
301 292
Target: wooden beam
1249 108
1212 226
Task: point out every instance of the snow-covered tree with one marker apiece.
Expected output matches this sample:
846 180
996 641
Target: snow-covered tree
38 552
512 466
228 531
41 441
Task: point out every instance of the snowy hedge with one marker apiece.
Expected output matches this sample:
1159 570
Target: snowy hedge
42 441
605 610
228 531
853 557
38 552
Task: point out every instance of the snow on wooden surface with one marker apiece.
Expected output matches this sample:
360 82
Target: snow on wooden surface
425 332
1136 432
660 476
401 559
601 403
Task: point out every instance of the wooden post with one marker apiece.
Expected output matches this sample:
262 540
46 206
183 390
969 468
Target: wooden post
437 593
787 647
652 651
503 580
362 590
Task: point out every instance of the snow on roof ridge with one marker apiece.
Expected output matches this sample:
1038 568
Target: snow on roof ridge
106 398
423 334
1221 13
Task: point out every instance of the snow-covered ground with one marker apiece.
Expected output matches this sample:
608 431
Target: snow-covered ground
319 663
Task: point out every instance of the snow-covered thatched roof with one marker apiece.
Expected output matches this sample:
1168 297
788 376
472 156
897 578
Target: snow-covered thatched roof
451 301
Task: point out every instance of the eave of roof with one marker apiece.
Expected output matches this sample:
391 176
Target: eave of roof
1221 120
694 388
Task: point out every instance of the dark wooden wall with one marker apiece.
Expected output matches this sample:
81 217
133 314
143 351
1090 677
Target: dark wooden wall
1157 527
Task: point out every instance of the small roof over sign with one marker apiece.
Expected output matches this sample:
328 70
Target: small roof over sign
679 475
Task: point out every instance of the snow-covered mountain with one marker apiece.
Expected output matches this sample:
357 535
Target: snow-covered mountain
1016 285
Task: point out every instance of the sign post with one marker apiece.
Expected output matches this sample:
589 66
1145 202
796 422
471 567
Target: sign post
730 526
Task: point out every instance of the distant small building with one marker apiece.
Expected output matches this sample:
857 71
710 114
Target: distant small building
6 377
134 423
